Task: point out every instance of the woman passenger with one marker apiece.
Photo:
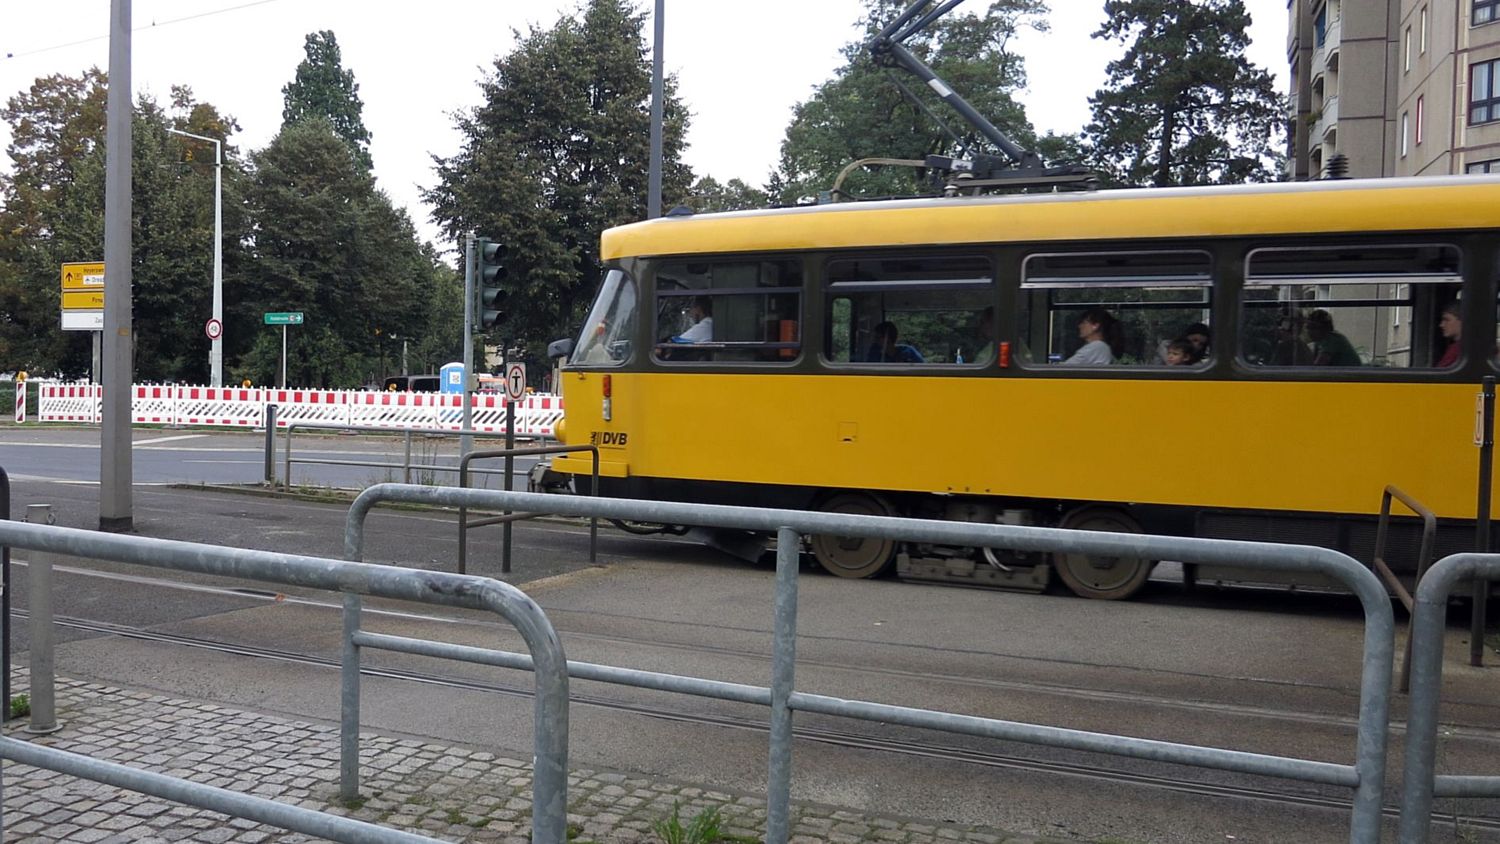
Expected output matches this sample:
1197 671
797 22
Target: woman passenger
1103 339
1452 328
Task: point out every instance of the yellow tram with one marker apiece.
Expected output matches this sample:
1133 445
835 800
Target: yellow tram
927 358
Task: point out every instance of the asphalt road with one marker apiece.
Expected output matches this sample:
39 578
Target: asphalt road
168 456
1263 672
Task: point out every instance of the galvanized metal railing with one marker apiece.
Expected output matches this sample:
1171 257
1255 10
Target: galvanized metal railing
406 466
1428 621
550 716
1424 559
1364 778
464 525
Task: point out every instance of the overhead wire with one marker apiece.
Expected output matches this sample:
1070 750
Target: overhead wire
153 25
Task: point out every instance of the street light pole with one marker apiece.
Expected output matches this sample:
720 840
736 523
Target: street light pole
216 345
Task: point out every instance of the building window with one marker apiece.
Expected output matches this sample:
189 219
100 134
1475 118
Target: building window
1491 166
1424 31
1406 51
1486 11
1405 132
1484 98
1421 113
1320 24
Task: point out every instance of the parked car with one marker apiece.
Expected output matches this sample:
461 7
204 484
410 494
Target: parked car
412 383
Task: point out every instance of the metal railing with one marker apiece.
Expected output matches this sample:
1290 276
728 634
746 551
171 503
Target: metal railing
1428 621
1424 559
406 466
1365 777
353 579
464 525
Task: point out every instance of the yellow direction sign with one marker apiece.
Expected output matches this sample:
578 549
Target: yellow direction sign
86 275
83 300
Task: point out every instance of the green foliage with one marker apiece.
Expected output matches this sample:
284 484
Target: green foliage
20 705
708 196
1184 106
702 829
53 213
861 113
557 152
323 89
330 245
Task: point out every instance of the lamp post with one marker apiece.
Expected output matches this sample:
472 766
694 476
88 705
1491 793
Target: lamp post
216 345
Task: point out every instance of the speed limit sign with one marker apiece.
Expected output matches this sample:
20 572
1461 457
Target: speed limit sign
515 381
214 329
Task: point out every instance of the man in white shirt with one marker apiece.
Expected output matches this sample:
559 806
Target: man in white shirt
702 329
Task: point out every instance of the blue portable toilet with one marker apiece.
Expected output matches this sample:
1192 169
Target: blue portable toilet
452 380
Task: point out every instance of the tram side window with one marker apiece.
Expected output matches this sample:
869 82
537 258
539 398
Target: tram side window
728 311
1346 306
910 309
1144 308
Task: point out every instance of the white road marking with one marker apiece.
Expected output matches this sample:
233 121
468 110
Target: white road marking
171 439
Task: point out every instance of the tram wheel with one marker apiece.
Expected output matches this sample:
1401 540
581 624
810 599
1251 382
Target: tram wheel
854 556
1097 576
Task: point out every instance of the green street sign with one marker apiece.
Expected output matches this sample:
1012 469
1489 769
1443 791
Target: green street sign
293 318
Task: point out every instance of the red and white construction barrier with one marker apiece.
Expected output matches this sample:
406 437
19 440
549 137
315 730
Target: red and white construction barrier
20 402
237 407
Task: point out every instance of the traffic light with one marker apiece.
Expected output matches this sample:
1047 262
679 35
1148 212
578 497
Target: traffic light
489 281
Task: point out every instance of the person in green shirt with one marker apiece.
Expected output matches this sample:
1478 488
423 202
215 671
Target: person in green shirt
1330 348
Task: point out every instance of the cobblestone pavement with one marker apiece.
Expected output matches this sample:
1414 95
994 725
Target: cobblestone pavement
446 793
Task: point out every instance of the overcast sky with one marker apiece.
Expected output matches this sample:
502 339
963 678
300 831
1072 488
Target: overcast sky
742 65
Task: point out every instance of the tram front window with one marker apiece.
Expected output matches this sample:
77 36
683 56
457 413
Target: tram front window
610 325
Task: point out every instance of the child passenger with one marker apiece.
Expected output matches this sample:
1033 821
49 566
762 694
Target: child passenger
1181 353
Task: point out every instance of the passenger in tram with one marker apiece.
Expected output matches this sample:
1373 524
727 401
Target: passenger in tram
1181 353
886 349
1289 349
1199 336
1103 339
1330 348
1452 327
702 329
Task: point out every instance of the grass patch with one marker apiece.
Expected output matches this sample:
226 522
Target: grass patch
702 829
20 706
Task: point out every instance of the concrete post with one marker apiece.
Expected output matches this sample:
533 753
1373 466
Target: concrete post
39 595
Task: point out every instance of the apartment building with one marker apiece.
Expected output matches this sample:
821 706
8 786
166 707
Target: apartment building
1398 87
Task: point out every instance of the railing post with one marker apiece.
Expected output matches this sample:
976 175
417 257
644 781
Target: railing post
349 703
4 609
783 674
1485 439
39 589
271 445
406 465
286 472
510 469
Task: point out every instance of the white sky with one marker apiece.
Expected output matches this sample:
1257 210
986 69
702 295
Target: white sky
741 66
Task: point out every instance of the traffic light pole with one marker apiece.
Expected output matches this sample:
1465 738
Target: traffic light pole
465 441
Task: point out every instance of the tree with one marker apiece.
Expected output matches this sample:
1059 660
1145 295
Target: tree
328 244
559 151
708 196
861 113
1184 106
54 213
322 88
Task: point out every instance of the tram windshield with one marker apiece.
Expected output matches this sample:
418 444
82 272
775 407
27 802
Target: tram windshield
610 325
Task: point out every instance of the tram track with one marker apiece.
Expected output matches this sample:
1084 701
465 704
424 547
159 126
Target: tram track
1470 732
1195 787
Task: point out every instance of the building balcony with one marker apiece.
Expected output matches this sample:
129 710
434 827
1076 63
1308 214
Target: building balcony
1326 53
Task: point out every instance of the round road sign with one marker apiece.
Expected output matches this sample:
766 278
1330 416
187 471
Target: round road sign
214 329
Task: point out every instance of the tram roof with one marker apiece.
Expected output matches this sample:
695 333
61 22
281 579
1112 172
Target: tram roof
1322 207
